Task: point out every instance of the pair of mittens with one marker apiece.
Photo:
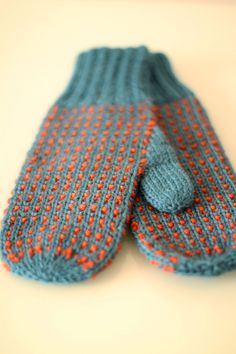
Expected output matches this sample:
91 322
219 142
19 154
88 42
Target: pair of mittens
99 154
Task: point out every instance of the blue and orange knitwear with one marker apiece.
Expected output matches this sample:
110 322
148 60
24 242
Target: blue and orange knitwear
98 143
201 239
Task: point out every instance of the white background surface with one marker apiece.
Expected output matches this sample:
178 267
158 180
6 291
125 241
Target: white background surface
131 307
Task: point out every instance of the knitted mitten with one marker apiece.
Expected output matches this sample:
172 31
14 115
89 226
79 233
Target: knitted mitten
200 239
68 210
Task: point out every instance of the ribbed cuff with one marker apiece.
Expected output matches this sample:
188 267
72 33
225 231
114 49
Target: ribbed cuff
105 75
165 85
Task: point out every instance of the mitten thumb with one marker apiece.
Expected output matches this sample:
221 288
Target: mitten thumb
165 184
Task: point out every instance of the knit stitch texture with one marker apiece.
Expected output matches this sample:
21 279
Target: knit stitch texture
201 239
68 210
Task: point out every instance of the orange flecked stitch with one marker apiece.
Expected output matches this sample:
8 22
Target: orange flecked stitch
196 240
66 217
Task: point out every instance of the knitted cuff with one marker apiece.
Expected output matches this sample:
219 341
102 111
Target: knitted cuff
105 75
165 84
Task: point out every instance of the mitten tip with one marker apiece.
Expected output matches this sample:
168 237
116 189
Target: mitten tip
168 191
176 200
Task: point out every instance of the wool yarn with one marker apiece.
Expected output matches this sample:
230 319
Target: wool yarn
201 239
68 210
